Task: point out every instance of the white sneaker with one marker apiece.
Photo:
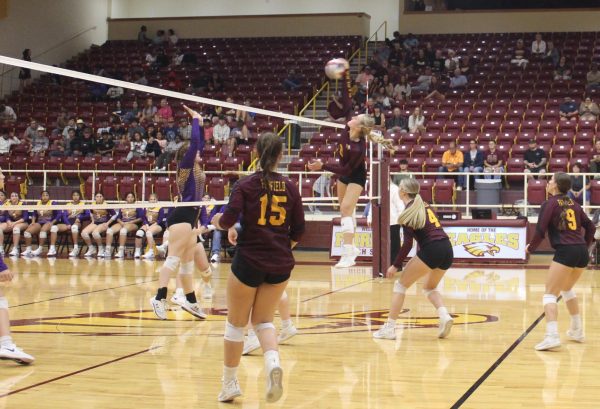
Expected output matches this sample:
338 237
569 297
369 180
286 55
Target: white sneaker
215 258
27 253
2 251
348 260
161 250
445 326
16 354
576 335
178 299
51 252
459 188
286 333
75 252
107 252
207 292
90 253
194 309
38 252
138 253
14 252
550 342
274 384
229 391
388 331
149 255
159 307
120 253
251 344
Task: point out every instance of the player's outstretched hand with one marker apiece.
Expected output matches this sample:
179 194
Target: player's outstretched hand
5 276
391 271
315 166
193 113
232 236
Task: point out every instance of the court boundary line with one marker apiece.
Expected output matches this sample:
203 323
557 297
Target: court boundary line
89 368
335 291
498 362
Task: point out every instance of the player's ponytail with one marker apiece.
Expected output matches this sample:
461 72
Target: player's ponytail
269 149
563 184
414 214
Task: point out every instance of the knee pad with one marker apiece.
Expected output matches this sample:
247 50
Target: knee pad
75 229
27 235
149 234
43 235
206 273
568 295
187 268
428 292
97 235
110 231
53 229
399 288
233 334
172 262
549 299
123 231
3 303
347 224
85 235
263 326
16 230
140 234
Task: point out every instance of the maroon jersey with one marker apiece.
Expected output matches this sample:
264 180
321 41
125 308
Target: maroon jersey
352 154
549 219
493 158
265 240
432 231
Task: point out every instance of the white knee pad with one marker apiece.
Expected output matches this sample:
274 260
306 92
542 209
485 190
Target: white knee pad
568 295
206 273
110 231
172 262
233 334
399 288
187 268
53 229
3 303
123 231
85 235
428 292
16 230
97 235
27 235
263 326
549 299
140 234
149 234
43 235
347 224
75 229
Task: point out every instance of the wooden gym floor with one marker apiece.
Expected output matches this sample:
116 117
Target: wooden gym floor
98 345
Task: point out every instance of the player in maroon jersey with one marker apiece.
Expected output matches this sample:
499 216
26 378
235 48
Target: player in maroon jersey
272 222
434 257
351 169
563 219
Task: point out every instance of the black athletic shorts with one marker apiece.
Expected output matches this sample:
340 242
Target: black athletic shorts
575 255
358 176
184 215
251 276
437 254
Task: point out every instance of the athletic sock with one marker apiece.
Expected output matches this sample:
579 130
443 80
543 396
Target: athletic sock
552 328
442 312
271 358
161 294
286 324
391 322
575 321
6 341
179 291
251 332
191 297
229 374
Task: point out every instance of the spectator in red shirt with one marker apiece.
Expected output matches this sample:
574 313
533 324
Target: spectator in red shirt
494 162
164 112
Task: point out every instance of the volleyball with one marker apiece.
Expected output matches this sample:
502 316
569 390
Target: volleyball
334 69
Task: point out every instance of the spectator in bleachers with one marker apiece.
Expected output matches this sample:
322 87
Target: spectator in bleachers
160 38
168 153
387 86
595 160
31 131
98 91
396 55
71 124
149 111
143 35
562 71
118 130
200 82
416 122
178 57
381 99
335 112
173 39
156 144
452 160
208 130
80 124
134 127
7 141
588 110
172 82
137 147
57 149
473 162
162 60
568 110
106 145
437 89
185 129
535 159
67 139
593 77
379 118
243 115
7 115
552 55
364 78
240 134
62 121
84 145
170 130
229 112
458 80
140 79
410 42
465 66
221 132
397 122
429 53
538 46
164 113
451 62
216 83
578 191
520 54
403 172
420 61
133 113
438 64
494 162
25 73
423 81
402 90
115 93
39 143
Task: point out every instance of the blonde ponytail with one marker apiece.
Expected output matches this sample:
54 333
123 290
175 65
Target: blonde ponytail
414 215
367 123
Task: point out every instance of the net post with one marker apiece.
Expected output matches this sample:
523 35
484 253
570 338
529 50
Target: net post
380 209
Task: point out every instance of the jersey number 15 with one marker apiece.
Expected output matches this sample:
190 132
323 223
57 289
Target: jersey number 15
277 212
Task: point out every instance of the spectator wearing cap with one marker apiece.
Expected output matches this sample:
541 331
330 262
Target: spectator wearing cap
534 159
221 132
117 129
39 143
568 110
185 129
80 126
473 163
452 160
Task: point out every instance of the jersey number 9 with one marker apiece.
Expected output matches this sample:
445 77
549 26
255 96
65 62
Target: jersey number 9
572 221
277 212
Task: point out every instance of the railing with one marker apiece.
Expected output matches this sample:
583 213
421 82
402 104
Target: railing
376 35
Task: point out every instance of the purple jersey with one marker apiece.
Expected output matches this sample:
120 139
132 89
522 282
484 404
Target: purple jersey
432 231
265 240
69 217
46 215
14 215
575 219
102 215
3 266
190 177
208 212
129 215
154 215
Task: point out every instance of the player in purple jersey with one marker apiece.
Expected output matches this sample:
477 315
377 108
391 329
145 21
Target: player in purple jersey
272 222
563 219
351 170
8 349
182 225
128 220
17 221
41 223
100 221
434 257
70 220
152 225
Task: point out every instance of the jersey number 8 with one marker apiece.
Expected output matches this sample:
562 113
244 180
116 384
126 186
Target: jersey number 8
277 212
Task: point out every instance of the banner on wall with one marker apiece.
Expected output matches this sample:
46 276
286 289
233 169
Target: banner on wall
488 243
363 240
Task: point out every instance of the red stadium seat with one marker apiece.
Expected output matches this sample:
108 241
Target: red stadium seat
421 151
583 163
109 187
558 164
536 191
426 190
91 186
595 192
162 189
515 164
71 163
216 188
123 165
309 152
127 184
306 190
443 191
432 164
106 165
